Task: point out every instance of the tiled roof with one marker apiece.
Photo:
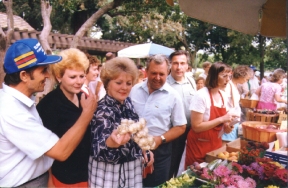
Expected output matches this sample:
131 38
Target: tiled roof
19 23
63 41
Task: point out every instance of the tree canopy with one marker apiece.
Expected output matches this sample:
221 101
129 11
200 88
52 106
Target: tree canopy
141 21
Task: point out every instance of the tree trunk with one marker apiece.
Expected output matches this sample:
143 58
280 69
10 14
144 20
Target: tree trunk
5 39
46 9
89 23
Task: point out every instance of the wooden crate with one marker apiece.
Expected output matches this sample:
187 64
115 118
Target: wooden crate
248 103
252 116
251 132
282 117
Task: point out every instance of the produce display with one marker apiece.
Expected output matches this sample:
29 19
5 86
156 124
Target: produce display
232 156
265 111
270 127
139 132
181 181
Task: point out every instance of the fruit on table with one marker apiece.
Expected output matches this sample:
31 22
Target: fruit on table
232 156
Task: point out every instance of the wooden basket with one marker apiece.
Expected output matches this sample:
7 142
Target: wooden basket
248 103
252 116
250 131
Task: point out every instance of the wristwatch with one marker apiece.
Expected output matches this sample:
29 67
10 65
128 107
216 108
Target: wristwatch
163 139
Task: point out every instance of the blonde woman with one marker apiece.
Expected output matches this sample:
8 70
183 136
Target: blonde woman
60 110
115 161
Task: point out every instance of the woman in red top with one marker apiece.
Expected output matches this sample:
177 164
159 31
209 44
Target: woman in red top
209 115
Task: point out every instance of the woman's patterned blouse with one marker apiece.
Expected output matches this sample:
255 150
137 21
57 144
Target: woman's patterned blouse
107 118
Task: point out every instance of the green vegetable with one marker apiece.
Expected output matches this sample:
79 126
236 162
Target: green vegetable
213 164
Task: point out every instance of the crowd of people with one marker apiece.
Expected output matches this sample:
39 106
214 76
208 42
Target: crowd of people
70 138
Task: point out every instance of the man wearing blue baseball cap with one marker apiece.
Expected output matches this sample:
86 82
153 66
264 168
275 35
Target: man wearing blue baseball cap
27 148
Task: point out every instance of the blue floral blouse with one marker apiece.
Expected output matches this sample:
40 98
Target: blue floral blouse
106 118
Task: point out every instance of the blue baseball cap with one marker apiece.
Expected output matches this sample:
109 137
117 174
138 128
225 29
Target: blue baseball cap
253 68
27 53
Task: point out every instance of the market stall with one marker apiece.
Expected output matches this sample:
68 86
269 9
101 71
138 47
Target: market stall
253 166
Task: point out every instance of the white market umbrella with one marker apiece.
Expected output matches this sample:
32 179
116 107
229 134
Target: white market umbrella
144 50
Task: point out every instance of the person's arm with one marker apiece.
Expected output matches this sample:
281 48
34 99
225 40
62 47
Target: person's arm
258 91
98 87
278 98
70 140
170 135
198 125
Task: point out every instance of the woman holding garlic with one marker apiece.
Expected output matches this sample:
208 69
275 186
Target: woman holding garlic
115 159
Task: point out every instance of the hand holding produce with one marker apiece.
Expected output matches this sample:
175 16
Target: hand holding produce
139 133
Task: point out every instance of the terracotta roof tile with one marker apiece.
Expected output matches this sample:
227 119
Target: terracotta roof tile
19 23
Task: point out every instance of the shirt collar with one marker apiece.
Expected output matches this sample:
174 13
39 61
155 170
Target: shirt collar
19 95
113 102
171 80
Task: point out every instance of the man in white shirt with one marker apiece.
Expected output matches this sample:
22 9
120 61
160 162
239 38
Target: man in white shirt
27 148
161 106
186 87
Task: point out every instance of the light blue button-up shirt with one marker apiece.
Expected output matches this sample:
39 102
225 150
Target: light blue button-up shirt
186 90
162 109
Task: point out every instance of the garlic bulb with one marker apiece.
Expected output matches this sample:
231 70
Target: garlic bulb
124 121
142 141
153 145
142 121
141 134
150 140
147 147
133 128
136 139
130 121
145 130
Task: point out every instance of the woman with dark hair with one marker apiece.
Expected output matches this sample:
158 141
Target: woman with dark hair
209 115
270 92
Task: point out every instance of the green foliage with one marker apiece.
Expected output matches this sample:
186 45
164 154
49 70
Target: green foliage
141 21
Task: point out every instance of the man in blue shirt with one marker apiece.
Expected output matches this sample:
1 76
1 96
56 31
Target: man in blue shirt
161 106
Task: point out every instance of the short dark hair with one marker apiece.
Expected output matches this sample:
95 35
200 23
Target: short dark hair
212 78
180 52
14 78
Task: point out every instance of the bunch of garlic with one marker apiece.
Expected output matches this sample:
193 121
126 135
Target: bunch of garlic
139 132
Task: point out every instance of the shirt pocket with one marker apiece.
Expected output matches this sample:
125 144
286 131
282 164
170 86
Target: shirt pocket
161 108
188 95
